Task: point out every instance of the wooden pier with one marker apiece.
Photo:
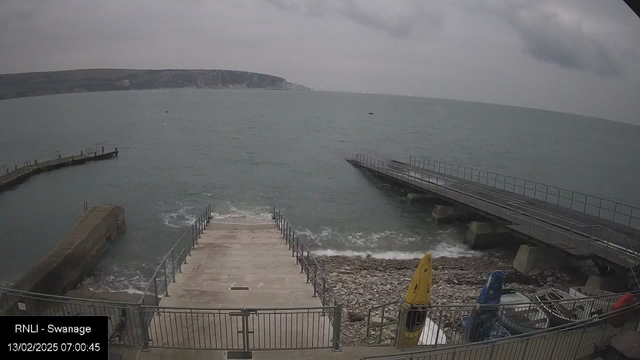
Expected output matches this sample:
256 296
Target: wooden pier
9 179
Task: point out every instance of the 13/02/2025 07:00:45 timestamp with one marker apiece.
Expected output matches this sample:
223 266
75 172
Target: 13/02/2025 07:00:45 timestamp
74 347
40 337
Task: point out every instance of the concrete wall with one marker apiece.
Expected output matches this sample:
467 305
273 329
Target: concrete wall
77 254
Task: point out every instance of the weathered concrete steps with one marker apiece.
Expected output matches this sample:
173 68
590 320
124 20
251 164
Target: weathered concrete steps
236 266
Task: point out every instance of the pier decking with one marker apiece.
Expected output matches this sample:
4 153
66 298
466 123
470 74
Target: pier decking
9 178
584 234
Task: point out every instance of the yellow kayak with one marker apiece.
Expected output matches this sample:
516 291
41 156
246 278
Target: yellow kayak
418 294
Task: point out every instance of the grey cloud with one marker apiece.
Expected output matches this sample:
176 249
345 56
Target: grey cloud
547 36
405 24
495 51
11 17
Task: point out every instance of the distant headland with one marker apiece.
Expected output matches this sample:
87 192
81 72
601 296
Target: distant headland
88 80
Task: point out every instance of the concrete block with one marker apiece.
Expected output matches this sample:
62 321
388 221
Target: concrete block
483 235
531 257
448 213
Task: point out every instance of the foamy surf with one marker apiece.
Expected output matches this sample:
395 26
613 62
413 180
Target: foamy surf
395 255
127 281
180 218
450 251
248 215
359 239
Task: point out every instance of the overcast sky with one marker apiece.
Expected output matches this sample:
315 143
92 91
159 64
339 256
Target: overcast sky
577 56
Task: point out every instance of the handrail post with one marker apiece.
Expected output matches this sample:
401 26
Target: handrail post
297 247
193 241
301 254
315 279
155 289
324 289
173 266
337 324
143 327
166 283
308 266
197 229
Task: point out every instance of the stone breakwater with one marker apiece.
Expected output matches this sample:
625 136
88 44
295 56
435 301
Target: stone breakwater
362 283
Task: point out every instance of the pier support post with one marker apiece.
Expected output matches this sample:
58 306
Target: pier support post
447 213
483 235
531 257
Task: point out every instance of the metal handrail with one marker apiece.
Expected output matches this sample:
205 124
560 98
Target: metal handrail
538 188
605 297
175 257
146 326
308 262
320 282
521 204
383 166
454 331
628 313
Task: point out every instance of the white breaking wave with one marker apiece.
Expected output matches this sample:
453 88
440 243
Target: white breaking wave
120 280
442 250
399 255
369 240
376 244
453 250
180 218
251 212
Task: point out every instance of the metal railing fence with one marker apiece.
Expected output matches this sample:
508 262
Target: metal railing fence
315 275
576 238
144 326
308 264
241 329
570 341
172 262
379 318
454 324
125 319
589 204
